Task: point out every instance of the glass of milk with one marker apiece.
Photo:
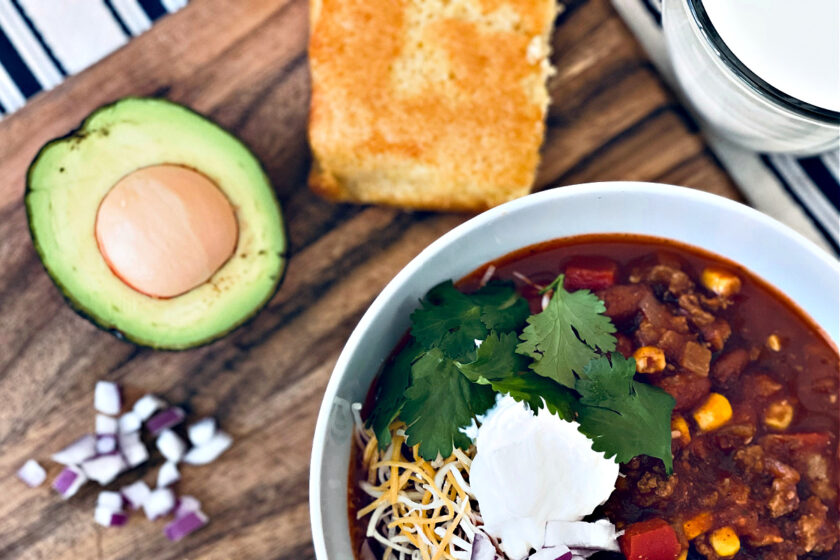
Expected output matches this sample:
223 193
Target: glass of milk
764 74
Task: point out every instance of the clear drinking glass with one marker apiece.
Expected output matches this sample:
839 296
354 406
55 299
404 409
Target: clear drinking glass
733 101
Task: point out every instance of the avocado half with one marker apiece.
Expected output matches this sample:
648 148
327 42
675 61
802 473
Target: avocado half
71 175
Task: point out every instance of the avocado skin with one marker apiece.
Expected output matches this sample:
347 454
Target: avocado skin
78 307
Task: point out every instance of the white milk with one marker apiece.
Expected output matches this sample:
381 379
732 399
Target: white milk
794 45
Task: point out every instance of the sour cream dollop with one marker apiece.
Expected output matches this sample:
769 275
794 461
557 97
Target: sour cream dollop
530 469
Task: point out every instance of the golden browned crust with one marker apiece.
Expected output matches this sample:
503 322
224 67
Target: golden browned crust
435 104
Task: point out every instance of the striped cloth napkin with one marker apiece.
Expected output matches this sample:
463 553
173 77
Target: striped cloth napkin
44 41
802 192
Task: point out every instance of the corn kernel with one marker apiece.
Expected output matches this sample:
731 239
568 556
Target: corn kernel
698 525
713 413
774 343
649 359
680 426
778 415
721 282
725 541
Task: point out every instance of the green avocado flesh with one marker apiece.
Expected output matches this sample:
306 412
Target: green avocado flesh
68 180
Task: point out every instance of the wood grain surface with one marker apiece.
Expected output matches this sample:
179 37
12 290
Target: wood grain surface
244 64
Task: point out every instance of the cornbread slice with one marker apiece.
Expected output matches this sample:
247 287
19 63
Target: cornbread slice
434 104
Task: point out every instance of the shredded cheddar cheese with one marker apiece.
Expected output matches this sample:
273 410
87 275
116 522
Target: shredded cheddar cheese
419 510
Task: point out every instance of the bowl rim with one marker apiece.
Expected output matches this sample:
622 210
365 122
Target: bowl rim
605 188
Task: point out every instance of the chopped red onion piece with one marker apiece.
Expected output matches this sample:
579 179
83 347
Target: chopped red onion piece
146 406
598 535
185 525
105 468
136 494
130 422
105 424
106 398
32 473
202 431
166 419
168 474
171 446
133 449
108 518
482 548
106 444
110 500
208 452
554 553
159 503
68 481
80 450
186 504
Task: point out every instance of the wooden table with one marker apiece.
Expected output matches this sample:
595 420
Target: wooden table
244 64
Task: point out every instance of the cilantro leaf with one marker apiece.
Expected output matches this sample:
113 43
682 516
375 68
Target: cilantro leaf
436 380
390 387
538 391
452 321
622 417
496 358
502 308
498 365
449 320
563 338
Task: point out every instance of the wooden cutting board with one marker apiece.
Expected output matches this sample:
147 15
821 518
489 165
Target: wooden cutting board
244 64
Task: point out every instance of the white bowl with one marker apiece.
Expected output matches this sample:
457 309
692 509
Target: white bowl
807 274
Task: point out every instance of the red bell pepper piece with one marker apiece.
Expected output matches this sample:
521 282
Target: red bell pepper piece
653 539
590 273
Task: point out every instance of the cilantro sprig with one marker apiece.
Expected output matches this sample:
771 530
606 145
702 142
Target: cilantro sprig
465 349
567 334
452 320
624 418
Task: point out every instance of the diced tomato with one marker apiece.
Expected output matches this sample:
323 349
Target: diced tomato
653 539
590 273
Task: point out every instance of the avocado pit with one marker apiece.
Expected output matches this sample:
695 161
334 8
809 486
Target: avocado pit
165 229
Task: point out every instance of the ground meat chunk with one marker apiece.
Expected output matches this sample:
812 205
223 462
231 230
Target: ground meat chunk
736 492
666 274
696 314
813 531
729 366
783 498
735 435
807 453
687 388
751 459
654 487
